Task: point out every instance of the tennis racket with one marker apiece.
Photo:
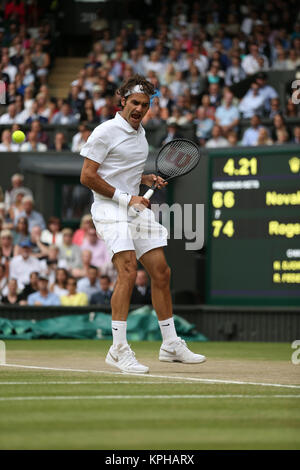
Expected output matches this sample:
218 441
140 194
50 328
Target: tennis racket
176 158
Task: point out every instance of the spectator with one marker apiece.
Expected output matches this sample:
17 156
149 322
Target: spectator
263 137
103 296
13 297
80 234
282 137
31 287
252 103
214 94
279 125
232 138
59 287
6 144
22 265
227 115
275 107
250 62
20 232
86 257
80 138
89 114
293 60
90 284
11 116
217 139
141 293
42 136
6 243
280 63
34 115
52 235
204 125
172 133
64 116
250 136
41 61
291 109
100 255
43 297
73 298
265 90
69 252
32 144
3 281
296 135
17 181
33 217
59 144
234 73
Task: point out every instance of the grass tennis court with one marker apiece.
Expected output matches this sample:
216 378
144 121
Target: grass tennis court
176 406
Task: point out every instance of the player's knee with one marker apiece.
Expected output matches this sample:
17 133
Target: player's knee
128 272
162 275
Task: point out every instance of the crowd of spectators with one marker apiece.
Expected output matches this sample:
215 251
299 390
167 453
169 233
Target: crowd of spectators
196 55
43 264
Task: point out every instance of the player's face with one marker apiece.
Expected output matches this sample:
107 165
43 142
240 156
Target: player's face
135 108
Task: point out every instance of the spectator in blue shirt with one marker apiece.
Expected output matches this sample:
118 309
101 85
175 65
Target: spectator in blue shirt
43 296
227 115
33 217
103 296
251 134
90 284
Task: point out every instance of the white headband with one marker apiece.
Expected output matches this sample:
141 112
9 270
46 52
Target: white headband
136 89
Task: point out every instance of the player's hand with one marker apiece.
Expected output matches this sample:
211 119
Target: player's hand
139 202
150 180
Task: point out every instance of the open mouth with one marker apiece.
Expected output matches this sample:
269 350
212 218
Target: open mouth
136 116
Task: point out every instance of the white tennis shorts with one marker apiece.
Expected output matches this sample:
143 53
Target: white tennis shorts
122 232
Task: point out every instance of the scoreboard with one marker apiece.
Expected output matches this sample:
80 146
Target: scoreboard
253 226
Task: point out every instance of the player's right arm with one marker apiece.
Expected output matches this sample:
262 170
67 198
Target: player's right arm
90 178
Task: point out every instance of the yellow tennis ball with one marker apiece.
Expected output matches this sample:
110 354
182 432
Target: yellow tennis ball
18 137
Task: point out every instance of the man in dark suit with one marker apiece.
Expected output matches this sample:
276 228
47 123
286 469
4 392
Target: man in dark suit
141 293
103 296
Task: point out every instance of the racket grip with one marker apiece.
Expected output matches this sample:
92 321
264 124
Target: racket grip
148 193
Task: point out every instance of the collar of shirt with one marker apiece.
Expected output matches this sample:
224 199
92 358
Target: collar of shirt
125 125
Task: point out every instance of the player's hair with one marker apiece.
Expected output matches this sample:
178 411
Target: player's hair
132 82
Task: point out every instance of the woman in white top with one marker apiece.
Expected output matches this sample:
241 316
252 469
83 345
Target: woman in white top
52 235
59 287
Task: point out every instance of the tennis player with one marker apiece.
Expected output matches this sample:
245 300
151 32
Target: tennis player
114 159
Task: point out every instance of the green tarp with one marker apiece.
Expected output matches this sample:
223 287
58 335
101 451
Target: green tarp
142 325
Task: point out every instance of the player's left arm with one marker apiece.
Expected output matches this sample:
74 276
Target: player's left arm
150 180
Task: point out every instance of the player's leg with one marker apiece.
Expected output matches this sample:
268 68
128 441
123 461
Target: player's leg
120 354
173 348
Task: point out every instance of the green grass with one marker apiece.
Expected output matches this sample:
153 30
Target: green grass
164 423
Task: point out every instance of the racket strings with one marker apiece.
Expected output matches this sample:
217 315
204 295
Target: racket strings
177 158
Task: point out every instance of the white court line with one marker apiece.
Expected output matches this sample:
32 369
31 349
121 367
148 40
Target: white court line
79 382
141 397
187 379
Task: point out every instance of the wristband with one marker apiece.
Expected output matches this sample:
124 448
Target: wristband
121 198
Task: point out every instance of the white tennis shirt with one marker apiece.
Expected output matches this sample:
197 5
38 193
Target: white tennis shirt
121 151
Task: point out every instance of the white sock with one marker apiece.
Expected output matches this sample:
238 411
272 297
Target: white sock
168 331
119 332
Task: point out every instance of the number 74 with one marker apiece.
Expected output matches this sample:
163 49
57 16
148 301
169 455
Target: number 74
218 227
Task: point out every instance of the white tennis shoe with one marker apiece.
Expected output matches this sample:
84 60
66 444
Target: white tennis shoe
177 351
122 357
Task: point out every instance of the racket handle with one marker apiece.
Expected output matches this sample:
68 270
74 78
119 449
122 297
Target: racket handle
148 193
133 211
